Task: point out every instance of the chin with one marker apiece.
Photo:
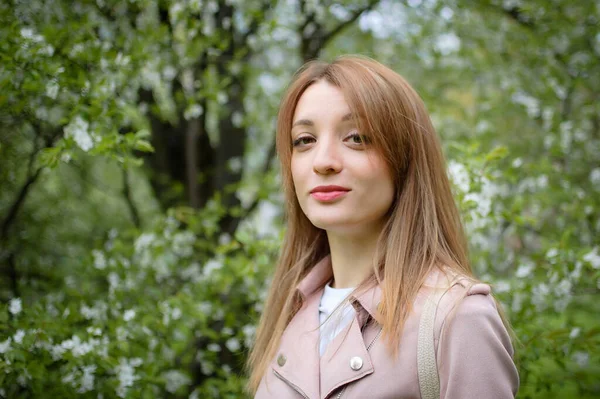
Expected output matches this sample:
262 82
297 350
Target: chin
330 222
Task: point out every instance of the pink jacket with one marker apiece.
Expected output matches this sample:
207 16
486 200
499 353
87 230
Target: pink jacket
474 357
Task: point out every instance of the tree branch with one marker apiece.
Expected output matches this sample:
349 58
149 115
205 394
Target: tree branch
313 44
355 15
255 23
129 199
270 156
29 181
14 209
517 15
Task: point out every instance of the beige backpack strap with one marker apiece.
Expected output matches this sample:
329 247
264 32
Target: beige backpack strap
429 381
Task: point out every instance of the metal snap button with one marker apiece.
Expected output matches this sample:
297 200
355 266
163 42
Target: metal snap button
356 363
281 359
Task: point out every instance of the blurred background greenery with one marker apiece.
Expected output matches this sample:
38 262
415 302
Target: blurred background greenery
140 208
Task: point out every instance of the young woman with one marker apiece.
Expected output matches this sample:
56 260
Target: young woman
373 239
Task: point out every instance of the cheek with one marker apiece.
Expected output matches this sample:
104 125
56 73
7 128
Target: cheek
296 173
379 173
384 181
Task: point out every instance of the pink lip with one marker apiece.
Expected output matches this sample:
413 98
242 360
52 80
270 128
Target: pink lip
328 196
328 193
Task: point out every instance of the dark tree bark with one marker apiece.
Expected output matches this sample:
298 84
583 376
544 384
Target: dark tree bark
9 220
315 36
184 153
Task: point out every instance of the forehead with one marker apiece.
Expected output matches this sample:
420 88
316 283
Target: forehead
321 101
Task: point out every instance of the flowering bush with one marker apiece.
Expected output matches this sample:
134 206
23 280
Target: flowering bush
142 316
112 287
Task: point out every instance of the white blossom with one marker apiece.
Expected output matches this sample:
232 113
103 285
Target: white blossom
175 379
574 332
52 89
83 348
99 259
122 334
542 181
144 241
169 72
552 252
227 331
15 306
87 379
205 307
524 270
56 352
237 119
169 313
340 12
212 265
193 111
233 344
28 33
47 50
175 11
65 157
581 358
5 346
595 177
593 258
176 313
447 43
78 129
531 104
563 295
222 97
96 312
183 243
94 331
23 378
459 175
539 294
207 368
125 372
192 273
129 315
18 337
214 347
150 76
224 238
235 164
501 286
113 281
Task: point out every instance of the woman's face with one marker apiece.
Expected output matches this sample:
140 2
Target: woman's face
342 184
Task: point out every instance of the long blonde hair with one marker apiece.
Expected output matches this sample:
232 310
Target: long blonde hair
423 229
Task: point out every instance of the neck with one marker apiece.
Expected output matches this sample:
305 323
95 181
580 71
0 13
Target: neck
352 257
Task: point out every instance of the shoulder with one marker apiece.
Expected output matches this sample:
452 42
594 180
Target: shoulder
460 299
473 345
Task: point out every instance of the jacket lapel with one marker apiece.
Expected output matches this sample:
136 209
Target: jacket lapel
346 359
297 362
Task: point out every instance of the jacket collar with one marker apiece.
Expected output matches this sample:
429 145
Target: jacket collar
316 278
298 361
366 300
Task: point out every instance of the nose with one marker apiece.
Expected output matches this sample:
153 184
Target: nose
327 157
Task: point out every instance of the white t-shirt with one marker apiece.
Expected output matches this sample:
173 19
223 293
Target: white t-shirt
330 300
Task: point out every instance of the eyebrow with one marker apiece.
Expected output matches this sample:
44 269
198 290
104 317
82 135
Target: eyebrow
308 122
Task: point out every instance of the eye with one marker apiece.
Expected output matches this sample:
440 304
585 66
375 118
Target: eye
358 138
302 141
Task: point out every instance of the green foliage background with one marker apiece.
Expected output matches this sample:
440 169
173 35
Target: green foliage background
118 282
